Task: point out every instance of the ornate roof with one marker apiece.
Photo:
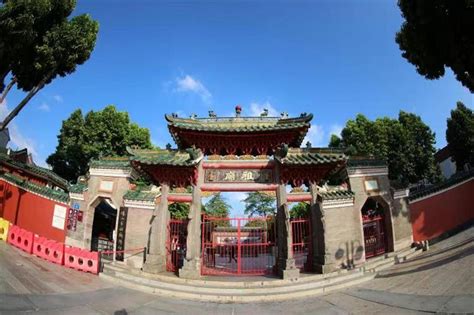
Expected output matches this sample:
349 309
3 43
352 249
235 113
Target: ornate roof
337 194
36 171
35 188
139 195
189 157
220 131
111 163
239 124
310 156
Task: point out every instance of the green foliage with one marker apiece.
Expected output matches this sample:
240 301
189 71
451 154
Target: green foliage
102 133
406 144
259 204
438 34
217 207
460 135
335 141
179 210
38 43
300 210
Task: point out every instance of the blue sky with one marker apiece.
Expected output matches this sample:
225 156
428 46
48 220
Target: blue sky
331 58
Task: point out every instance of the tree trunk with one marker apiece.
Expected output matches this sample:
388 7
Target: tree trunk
7 89
22 104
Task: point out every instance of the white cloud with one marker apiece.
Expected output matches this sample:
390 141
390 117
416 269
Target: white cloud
44 107
17 139
316 136
58 98
257 108
189 84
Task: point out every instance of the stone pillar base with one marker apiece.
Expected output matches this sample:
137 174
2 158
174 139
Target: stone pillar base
154 263
287 269
290 274
324 268
191 269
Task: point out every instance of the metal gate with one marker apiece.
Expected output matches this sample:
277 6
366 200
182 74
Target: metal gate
238 246
302 243
374 236
176 244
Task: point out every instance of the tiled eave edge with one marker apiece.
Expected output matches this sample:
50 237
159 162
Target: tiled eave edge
338 203
113 172
401 193
367 171
420 197
64 201
76 196
139 204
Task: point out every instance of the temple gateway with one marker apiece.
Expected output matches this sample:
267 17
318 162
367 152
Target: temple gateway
353 212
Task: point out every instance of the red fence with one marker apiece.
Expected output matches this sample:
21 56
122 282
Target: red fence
442 211
302 243
238 246
176 244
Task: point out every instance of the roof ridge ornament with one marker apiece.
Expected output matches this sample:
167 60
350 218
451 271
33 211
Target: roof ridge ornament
238 110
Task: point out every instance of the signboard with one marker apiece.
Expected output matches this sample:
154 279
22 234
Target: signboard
59 217
371 185
238 176
73 216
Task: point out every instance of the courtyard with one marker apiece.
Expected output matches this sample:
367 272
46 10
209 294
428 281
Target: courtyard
440 280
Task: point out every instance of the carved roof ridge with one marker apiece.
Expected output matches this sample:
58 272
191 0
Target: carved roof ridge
172 119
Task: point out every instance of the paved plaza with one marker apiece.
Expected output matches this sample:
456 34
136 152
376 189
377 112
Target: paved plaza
440 280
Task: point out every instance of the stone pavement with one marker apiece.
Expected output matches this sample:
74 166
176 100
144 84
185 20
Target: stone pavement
440 280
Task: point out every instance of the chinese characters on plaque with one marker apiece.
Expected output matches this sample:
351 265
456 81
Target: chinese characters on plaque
238 176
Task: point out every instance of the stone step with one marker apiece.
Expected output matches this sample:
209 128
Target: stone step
237 289
237 283
241 295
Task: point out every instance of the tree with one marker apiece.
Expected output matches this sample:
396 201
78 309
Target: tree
259 204
102 133
406 144
300 210
438 34
179 210
39 43
217 207
335 141
460 135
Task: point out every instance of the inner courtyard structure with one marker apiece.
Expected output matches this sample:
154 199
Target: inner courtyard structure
354 212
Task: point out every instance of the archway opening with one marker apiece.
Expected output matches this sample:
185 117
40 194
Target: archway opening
374 225
103 227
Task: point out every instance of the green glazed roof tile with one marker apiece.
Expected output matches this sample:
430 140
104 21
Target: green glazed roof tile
141 195
311 157
111 163
163 157
239 124
36 170
77 188
57 195
337 194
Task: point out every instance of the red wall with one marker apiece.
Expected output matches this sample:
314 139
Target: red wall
29 211
442 212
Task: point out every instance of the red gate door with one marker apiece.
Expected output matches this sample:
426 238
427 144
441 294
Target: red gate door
238 246
374 236
176 244
302 243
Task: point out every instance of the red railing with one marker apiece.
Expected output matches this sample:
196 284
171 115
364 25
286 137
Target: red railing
238 246
176 244
302 243
374 236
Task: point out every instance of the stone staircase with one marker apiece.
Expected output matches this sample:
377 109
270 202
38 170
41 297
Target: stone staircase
245 290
